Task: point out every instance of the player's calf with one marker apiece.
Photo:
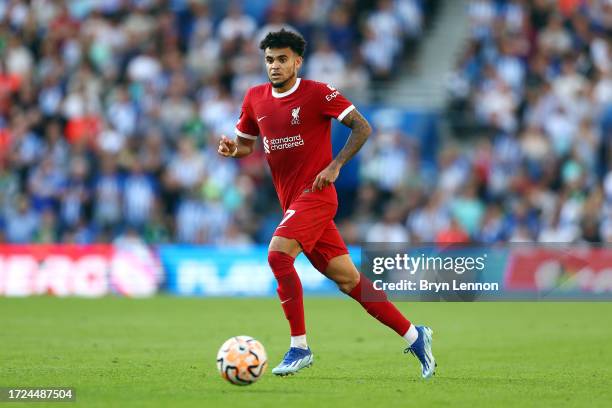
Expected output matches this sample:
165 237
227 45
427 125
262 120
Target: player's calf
289 290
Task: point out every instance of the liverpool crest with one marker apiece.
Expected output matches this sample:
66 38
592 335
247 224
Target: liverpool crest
295 116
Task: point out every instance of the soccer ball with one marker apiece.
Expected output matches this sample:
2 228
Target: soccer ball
242 360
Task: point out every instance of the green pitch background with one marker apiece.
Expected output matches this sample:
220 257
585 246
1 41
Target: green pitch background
161 352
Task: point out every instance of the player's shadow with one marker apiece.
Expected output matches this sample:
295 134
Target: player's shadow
494 380
255 390
343 379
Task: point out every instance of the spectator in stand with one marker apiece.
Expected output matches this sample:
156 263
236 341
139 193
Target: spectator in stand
21 222
139 192
389 228
107 197
326 64
236 26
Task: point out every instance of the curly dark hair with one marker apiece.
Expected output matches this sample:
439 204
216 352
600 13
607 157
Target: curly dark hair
283 39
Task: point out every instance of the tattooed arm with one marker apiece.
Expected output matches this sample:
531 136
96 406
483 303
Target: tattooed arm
360 131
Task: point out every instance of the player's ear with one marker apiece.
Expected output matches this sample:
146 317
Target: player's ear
298 62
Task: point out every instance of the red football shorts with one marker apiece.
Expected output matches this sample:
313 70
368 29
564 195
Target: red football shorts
311 222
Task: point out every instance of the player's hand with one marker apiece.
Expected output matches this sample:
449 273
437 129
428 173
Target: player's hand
326 177
226 146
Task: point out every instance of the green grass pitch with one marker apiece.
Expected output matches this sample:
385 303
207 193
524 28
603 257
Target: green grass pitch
161 352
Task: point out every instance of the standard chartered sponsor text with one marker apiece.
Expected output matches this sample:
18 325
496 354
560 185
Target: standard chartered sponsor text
287 142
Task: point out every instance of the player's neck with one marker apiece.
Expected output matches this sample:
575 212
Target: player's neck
287 86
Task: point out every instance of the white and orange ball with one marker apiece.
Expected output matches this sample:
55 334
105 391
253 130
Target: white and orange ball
242 360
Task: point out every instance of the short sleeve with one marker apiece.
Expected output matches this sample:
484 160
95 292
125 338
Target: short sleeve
333 103
247 125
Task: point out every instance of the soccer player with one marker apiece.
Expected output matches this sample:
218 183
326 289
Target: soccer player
293 116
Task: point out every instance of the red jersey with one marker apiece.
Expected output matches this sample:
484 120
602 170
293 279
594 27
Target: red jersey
295 127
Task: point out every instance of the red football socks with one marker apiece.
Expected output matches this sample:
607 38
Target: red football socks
375 302
289 290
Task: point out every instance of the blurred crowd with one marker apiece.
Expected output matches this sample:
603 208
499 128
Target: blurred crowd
110 110
536 81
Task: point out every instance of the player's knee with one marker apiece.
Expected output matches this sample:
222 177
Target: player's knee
280 262
286 245
348 283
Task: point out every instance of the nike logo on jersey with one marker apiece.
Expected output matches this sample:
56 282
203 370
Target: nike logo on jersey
262 118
